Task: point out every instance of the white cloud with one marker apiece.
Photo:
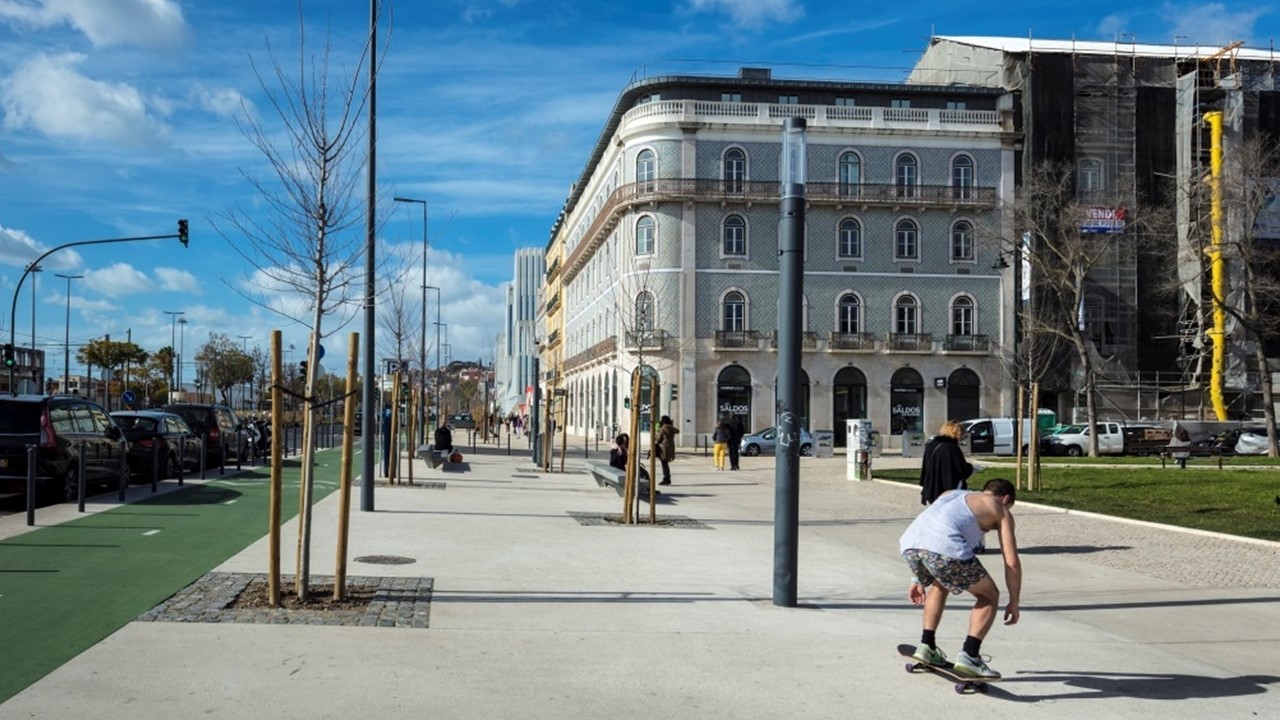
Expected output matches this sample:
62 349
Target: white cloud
141 23
1112 26
177 280
223 102
47 94
1211 23
118 279
750 13
18 249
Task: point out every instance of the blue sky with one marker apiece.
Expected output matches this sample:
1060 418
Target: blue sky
119 116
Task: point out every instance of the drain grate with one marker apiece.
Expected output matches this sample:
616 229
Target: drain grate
615 520
385 560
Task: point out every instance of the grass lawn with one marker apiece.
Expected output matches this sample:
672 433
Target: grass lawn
1238 502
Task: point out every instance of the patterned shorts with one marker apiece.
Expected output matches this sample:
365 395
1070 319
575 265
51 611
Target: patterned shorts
956 576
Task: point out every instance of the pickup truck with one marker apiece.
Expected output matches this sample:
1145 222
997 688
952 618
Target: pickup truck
1113 439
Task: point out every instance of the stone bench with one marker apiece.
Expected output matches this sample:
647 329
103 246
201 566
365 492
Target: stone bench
607 475
440 458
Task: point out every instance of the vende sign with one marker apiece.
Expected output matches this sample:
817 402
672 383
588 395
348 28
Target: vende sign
1102 220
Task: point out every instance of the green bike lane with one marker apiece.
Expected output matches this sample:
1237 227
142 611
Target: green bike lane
66 587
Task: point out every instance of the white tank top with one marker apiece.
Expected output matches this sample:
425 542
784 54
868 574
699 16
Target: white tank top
947 527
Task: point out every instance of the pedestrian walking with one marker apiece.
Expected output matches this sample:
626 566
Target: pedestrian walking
736 431
939 548
943 467
720 448
666 444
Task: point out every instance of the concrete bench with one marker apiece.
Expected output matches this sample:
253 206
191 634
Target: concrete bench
436 458
607 475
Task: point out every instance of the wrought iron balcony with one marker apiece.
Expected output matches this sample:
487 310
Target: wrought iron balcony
727 339
910 342
967 343
808 340
646 340
852 341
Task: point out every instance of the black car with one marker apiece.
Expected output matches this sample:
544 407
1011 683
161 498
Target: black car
225 435
159 436
59 426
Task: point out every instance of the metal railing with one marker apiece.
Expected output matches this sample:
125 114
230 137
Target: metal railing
646 340
910 342
749 339
967 343
808 340
852 341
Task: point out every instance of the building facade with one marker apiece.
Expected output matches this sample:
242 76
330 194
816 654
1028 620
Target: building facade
514 358
667 253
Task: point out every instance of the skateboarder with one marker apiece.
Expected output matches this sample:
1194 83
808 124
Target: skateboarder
939 548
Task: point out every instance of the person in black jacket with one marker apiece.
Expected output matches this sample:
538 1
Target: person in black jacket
736 431
943 467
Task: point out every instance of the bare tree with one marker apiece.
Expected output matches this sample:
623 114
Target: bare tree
309 243
1051 224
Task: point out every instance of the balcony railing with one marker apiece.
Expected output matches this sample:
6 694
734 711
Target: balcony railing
910 342
553 304
749 339
553 270
647 340
852 341
967 343
808 340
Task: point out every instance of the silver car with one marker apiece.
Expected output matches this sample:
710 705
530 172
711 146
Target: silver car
766 441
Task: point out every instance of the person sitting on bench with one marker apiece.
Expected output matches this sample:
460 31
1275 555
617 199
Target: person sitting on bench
619 453
443 442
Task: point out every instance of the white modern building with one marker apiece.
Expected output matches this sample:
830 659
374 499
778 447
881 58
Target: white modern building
666 255
517 344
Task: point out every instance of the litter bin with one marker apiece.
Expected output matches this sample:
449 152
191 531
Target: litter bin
912 443
825 443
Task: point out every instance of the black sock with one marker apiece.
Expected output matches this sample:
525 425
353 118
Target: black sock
972 646
927 638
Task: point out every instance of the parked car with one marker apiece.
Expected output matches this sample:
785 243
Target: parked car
58 425
462 421
224 433
765 442
155 434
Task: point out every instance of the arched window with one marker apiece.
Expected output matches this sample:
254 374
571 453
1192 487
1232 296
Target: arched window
646 167
850 173
850 239
906 401
962 177
644 236
644 312
735 170
906 175
850 320
962 242
906 245
735 236
734 315
906 316
962 316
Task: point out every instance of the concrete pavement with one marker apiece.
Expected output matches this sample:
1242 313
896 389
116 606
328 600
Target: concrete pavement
535 615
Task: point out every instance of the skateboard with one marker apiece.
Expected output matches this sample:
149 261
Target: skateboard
963 683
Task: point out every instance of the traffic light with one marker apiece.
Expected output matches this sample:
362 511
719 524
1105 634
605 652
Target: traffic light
9 360
182 231
302 369
675 392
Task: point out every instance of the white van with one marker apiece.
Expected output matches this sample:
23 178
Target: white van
994 436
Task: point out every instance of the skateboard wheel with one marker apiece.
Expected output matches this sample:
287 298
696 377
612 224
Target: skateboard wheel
960 688
911 667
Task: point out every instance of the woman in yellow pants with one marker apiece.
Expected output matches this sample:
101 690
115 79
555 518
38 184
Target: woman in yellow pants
720 451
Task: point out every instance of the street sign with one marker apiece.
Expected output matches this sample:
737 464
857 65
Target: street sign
319 351
127 397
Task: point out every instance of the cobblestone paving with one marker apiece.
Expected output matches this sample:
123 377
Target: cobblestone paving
1192 559
615 520
397 602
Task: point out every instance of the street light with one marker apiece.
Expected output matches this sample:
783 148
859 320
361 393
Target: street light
182 347
422 348
173 344
425 288
244 347
34 269
66 343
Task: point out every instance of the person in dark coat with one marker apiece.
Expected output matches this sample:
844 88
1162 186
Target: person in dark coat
443 440
736 431
943 467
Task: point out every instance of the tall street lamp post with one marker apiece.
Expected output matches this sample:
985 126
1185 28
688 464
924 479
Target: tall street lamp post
422 347
436 399
182 347
66 342
34 269
244 348
173 346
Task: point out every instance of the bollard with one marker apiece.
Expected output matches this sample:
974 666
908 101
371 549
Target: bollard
80 477
31 484
182 457
155 465
239 452
124 469
204 454
508 444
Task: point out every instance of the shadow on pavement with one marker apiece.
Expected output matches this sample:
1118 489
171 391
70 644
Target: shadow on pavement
1069 549
1100 685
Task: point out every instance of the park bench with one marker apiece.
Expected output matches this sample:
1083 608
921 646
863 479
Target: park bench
607 475
436 458
1192 452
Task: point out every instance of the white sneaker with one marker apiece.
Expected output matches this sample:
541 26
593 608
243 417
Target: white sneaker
970 666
